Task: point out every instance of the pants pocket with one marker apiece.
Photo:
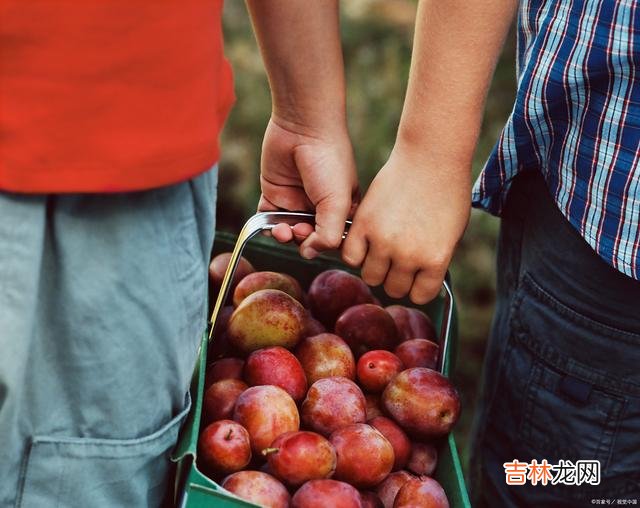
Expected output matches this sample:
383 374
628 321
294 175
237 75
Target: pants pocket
560 394
69 472
568 418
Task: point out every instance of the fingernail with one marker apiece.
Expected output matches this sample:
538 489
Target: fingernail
309 253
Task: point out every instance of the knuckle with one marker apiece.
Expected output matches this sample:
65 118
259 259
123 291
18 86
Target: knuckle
408 257
407 261
381 247
419 298
424 293
395 292
333 241
439 262
372 277
396 288
371 281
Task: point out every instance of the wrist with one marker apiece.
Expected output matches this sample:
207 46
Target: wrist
438 138
439 174
309 124
422 155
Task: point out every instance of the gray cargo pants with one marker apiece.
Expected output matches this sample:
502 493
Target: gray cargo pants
102 306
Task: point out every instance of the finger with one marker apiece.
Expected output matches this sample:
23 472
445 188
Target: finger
306 249
425 287
375 268
282 233
399 280
354 247
331 215
301 231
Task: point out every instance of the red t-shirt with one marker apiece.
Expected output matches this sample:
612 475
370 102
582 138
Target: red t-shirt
110 95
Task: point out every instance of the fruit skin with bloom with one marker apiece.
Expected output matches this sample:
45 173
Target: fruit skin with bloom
218 267
370 499
326 494
424 492
334 291
224 368
297 457
396 436
388 488
376 368
266 280
268 317
220 399
314 327
365 456
366 327
325 355
423 402
259 488
266 412
423 459
412 323
332 403
418 353
279 367
224 446
396 389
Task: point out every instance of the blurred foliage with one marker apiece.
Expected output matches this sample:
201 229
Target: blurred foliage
377 37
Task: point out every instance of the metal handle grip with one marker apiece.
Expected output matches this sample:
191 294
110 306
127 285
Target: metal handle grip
265 221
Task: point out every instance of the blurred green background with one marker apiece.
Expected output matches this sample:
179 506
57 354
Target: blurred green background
376 37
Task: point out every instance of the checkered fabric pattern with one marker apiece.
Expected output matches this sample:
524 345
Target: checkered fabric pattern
576 119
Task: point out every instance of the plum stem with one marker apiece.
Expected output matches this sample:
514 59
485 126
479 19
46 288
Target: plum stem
269 451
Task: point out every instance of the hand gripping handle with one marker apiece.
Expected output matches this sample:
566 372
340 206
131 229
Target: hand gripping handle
265 221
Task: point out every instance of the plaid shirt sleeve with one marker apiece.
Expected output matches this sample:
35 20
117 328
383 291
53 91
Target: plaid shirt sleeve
576 119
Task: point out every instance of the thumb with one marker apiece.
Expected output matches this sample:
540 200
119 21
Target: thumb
331 214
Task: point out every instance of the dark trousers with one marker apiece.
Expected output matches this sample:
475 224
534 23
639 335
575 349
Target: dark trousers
562 369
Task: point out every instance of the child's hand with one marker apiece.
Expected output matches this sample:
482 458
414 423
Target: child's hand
308 170
408 224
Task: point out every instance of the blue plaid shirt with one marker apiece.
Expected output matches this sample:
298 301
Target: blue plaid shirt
576 119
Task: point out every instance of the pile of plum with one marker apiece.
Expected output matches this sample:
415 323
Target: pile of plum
322 398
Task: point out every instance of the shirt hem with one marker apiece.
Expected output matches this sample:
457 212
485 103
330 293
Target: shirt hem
493 203
107 181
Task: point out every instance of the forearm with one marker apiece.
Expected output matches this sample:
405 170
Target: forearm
453 60
300 45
